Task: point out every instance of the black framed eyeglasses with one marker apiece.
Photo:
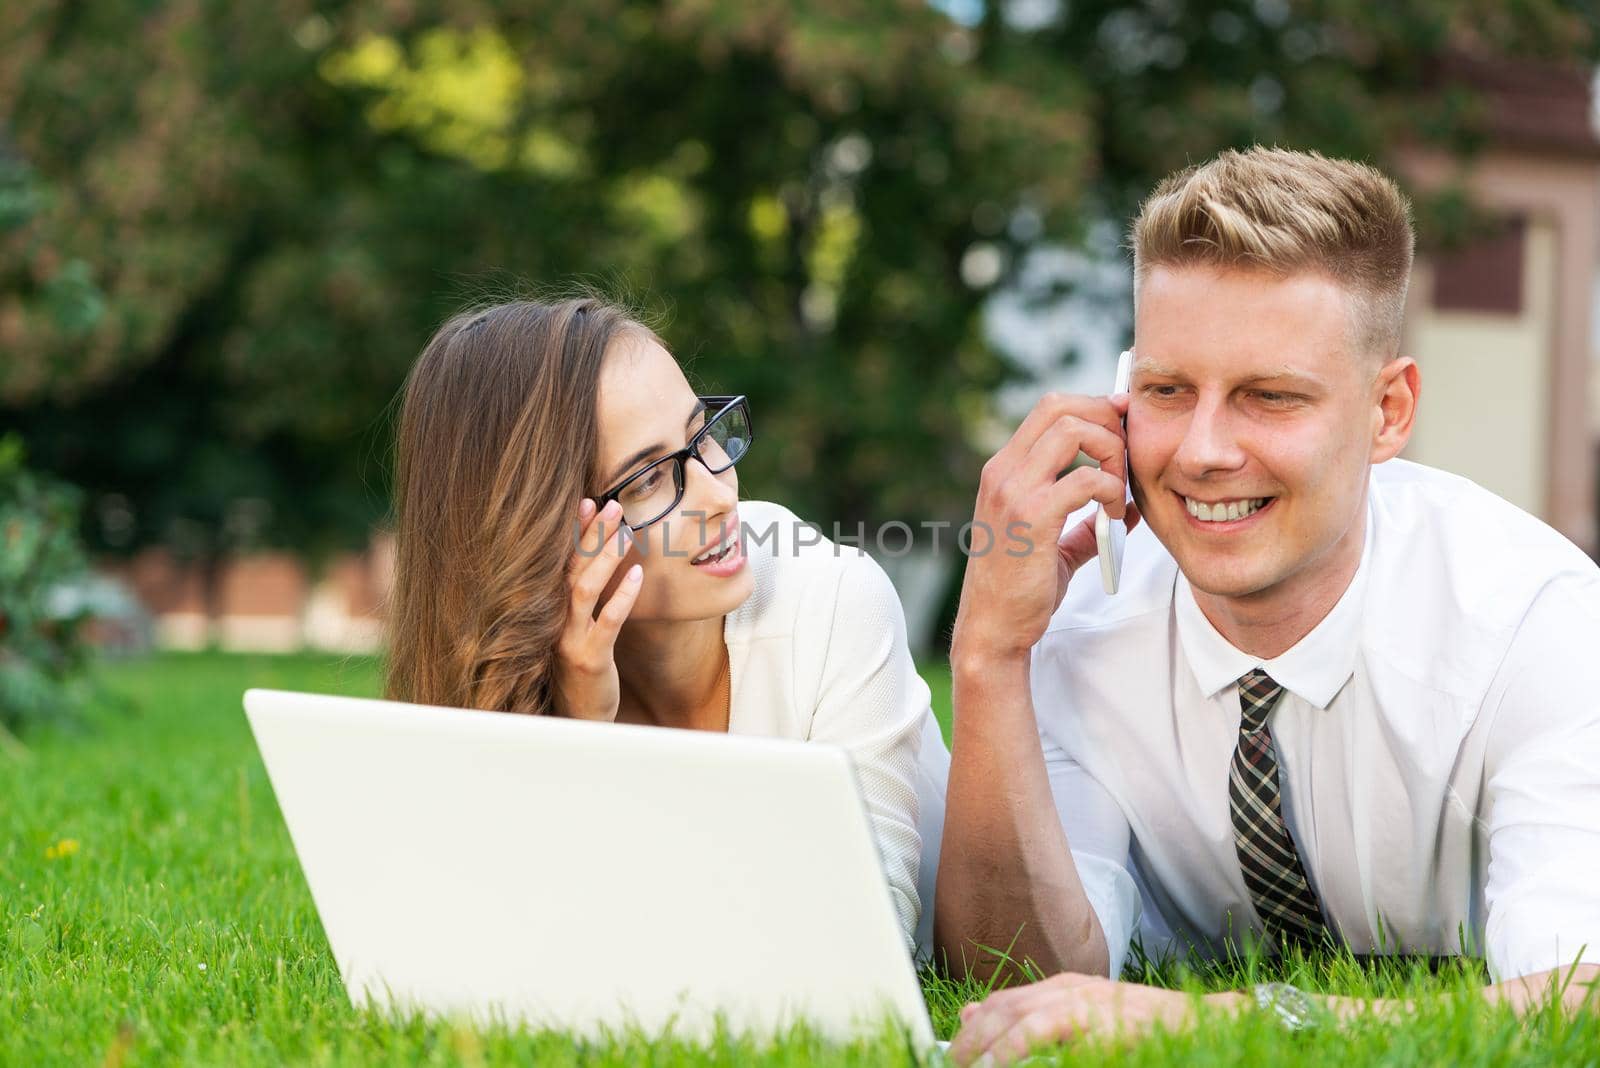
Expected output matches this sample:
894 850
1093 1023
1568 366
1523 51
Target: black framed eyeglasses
655 489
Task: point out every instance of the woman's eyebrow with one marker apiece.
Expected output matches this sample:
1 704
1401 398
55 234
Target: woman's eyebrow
650 450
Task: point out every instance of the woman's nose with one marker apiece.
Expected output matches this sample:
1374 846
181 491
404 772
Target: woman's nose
705 492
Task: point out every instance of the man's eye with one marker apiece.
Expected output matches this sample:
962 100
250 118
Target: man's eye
1163 391
1272 396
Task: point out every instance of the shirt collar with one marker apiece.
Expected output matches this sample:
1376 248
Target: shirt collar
1315 668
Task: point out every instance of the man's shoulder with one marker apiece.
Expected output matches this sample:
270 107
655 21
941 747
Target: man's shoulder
1489 554
1456 571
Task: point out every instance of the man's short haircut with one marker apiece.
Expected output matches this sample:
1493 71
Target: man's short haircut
1286 212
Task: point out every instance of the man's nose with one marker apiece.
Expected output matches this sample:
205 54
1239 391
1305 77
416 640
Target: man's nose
1210 442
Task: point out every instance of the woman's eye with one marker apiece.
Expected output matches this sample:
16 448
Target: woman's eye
644 485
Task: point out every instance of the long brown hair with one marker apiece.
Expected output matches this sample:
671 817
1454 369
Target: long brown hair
496 446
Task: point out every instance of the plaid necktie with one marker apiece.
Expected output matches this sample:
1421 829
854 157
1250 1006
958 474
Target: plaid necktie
1272 870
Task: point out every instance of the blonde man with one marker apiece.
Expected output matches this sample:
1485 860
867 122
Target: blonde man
1339 698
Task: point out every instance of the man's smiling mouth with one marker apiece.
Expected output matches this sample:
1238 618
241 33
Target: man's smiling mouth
1226 510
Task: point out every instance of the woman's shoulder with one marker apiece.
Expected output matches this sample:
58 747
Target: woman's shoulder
800 572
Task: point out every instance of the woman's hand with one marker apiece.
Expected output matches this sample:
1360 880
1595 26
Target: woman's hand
586 672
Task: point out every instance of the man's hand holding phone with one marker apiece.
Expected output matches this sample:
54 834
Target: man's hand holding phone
1110 533
1024 499
1000 808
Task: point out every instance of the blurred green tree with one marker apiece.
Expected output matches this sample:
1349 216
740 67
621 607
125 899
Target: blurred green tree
234 226
42 652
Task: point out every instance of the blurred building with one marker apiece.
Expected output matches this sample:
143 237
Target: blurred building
265 602
1503 329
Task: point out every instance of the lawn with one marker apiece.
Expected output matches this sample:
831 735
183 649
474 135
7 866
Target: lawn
152 912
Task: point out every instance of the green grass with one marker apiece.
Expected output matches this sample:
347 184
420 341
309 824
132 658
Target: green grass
180 929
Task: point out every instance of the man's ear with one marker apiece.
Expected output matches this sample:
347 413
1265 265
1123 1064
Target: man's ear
1397 389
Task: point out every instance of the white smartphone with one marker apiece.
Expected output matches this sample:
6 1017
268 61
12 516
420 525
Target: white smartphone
1110 534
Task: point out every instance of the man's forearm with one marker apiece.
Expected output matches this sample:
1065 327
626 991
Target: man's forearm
1578 987
1006 876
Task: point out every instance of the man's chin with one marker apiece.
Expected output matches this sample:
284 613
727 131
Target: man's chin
1207 571
1233 591
1224 578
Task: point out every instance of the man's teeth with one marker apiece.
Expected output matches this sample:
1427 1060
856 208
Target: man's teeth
717 552
1222 511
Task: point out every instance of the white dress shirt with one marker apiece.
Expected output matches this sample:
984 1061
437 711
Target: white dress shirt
1438 740
818 652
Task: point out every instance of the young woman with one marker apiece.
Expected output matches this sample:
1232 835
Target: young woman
571 542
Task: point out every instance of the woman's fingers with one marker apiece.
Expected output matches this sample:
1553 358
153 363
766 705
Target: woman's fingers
594 573
590 532
593 530
580 528
608 624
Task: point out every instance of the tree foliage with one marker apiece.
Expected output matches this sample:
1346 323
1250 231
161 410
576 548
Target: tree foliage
41 650
226 230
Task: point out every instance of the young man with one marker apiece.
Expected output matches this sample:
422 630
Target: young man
1337 696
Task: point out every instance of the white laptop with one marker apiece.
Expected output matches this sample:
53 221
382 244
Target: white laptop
588 877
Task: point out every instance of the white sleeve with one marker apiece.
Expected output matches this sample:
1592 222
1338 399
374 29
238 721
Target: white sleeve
1098 835
872 702
1542 781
